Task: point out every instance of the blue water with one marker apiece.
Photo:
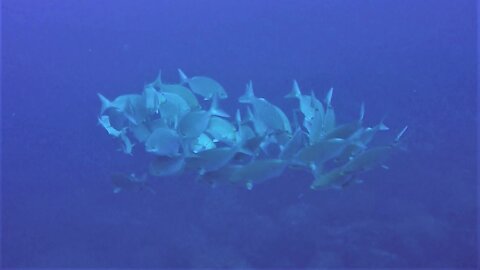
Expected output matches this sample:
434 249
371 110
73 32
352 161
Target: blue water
413 62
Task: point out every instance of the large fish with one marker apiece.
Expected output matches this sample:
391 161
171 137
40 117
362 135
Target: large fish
203 86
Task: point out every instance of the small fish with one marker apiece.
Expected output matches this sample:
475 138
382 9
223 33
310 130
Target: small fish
221 130
266 113
334 178
203 86
202 143
130 182
258 171
293 146
372 157
163 142
178 89
320 152
152 99
346 130
195 123
166 166
173 109
305 102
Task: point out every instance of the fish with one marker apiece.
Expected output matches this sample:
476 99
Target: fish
293 145
131 106
173 109
320 152
221 130
258 171
334 178
265 112
177 89
130 182
346 130
163 142
165 166
202 143
152 99
305 102
372 157
195 123
203 86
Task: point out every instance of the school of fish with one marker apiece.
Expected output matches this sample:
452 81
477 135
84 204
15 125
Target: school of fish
168 121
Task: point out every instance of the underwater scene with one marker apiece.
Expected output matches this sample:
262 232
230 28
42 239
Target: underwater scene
310 134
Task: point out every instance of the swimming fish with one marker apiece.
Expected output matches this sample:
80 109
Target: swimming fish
203 86
258 171
178 89
163 142
130 182
195 123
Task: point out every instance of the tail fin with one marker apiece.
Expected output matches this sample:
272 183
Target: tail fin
249 94
105 103
158 81
381 126
328 97
214 110
295 93
183 77
362 111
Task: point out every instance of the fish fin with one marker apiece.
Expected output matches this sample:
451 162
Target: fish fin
362 112
158 81
400 134
117 190
295 93
183 77
105 103
215 110
249 94
328 97
249 185
385 167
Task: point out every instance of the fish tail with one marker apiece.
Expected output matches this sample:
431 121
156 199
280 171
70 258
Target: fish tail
183 77
215 110
105 103
158 81
295 92
249 94
362 112
328 97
